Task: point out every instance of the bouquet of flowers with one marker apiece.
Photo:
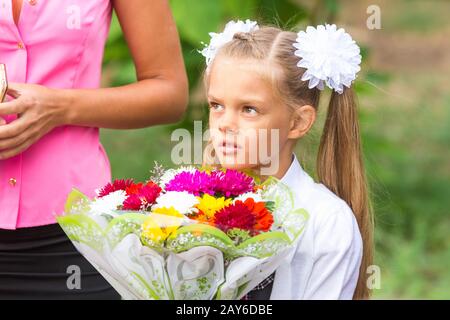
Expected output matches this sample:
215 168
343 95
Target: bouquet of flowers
188 233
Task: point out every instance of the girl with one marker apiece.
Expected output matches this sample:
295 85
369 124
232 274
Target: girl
266 79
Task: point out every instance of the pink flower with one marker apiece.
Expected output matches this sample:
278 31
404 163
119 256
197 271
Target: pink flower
196 183
229 183
232 183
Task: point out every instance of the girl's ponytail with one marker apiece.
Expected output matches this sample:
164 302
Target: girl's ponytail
340 167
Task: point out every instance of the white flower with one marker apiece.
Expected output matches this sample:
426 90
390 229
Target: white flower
329 56
257 196
220 39
171 173
183 202
108 204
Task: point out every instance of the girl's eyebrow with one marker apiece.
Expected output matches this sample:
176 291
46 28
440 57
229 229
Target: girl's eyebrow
251 100
210 97
244 100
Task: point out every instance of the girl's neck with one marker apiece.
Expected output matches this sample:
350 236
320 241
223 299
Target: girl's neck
281 168
285 161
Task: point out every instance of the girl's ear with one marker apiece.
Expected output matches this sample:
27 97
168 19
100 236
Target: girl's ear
302 120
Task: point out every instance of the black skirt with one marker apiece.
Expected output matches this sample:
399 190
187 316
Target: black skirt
42 263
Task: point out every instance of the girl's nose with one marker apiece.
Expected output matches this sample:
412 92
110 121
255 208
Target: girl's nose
228 123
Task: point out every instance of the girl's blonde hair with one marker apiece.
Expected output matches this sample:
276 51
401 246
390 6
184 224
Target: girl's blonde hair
340 161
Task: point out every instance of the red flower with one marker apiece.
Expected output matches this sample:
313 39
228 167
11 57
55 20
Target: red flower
249 215
115 186
236 215
133 202
150 192
140 196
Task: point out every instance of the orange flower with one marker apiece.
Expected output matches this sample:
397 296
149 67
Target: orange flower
263 217
201 217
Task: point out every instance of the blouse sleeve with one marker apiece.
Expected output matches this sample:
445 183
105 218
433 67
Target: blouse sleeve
337 257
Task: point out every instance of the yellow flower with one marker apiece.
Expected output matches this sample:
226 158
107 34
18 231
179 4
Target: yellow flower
152 231
161 224
209 205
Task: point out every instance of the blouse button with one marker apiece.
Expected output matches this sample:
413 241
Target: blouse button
32 2
12 182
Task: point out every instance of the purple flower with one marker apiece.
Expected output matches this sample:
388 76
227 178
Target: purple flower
229 183
232 183
196 183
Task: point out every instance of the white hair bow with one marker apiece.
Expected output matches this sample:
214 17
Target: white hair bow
220 39
329 55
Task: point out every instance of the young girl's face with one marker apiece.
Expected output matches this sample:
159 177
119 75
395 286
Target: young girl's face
249 124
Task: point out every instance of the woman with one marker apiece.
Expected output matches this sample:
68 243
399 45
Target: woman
49 136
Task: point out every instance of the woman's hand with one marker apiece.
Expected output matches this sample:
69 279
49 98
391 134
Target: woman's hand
38 109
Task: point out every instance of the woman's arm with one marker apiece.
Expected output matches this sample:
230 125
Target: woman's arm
159 96
161 93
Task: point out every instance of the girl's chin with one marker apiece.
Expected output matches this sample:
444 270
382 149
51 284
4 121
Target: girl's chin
234 163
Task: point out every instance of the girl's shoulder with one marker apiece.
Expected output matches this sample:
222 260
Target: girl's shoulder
324 206
332 229
332 225
327 211
312 195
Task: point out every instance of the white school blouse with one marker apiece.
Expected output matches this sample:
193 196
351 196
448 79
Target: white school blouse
325 264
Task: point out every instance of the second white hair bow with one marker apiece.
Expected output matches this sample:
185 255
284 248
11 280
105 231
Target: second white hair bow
329 55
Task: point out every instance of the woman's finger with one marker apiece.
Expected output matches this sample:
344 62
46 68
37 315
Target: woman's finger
14 128
15 89
10 143
12 107
6 154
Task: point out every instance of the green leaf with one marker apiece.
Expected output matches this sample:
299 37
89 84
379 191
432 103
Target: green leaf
281 13
238 9
195 19
332 6
238 235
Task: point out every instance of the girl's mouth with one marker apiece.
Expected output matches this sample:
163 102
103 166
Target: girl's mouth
228 148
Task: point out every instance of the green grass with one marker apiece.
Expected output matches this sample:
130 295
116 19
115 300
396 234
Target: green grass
133 153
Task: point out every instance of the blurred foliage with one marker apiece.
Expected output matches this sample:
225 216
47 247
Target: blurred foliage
406 151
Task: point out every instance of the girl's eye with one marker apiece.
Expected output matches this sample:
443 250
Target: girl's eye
250 110
215 107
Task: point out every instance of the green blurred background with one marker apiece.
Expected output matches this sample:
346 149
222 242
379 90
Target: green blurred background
404 111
